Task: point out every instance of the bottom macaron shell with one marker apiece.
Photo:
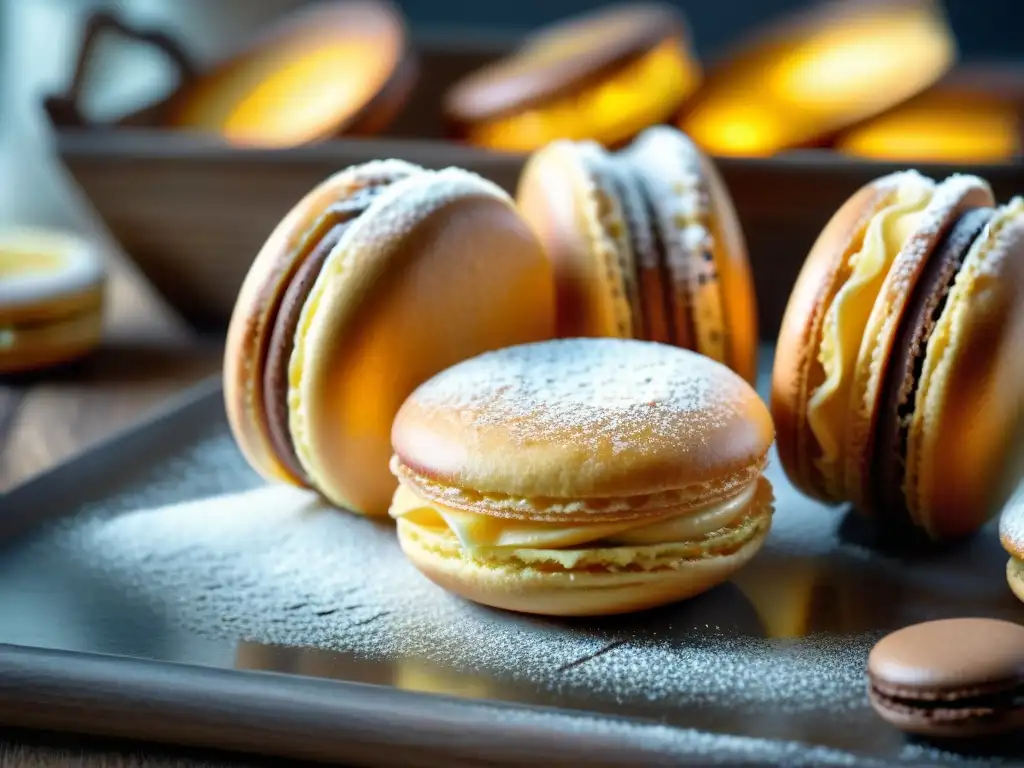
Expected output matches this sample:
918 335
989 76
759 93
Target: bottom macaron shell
671 576
52 343
945 720
1015 577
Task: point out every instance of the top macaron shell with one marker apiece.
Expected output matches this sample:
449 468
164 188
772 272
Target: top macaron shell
718 275
425 243
963 462
645 243
532 422
41 269
262 289
582 225
562 57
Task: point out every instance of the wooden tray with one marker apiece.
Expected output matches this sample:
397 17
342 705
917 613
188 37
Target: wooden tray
192 211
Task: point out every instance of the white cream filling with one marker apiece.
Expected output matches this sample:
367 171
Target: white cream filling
475 532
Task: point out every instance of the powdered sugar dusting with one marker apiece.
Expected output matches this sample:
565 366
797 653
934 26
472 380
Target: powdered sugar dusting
602 392
776 654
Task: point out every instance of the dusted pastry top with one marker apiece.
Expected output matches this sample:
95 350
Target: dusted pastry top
591 419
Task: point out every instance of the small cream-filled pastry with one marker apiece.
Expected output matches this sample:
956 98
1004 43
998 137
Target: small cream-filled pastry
52 287
897 379
582 476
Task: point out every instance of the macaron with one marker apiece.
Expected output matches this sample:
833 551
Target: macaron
897 384
582 476
645 243
332 68
950 678
604 75
799 81
52 293
1011 534
382 275
974 115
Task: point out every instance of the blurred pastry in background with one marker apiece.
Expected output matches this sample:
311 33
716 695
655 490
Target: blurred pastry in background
382 275
603 76
343 67
52 287
975 115
807 77
645 244
898 378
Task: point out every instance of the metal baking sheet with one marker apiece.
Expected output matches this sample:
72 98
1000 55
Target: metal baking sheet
132 603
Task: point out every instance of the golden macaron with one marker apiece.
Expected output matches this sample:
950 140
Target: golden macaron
645 244
975 115
898 378
381 276
802 79
604 76
582 476
52 292
332 68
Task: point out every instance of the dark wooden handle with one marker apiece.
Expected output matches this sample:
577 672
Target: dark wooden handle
65 109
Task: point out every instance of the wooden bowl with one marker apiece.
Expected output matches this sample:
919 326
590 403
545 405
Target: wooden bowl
195 232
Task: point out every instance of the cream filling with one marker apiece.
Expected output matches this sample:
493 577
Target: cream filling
484 532
847 317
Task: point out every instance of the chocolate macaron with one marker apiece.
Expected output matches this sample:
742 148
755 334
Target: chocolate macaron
381 276
950 678
645 244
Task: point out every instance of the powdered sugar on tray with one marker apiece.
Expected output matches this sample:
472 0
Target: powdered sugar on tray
201 542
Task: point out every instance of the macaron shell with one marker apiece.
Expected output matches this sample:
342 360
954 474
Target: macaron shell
732 267
888 465
562 57
46 274
581 419
652 273
797 370
937 658
654 159
279 349
292 65
580 223
638 245
951 199
946 722
713 267
256 305
440 268
514 587
960 467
